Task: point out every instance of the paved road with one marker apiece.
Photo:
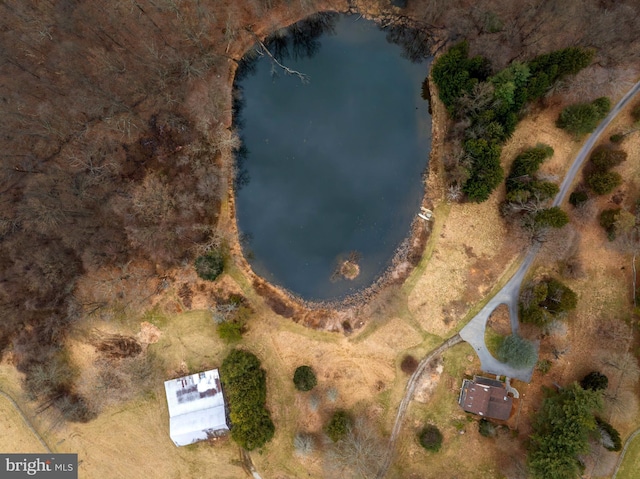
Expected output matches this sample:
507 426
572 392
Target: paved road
591 141
474 331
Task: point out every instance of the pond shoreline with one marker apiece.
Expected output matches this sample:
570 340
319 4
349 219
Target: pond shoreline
346 314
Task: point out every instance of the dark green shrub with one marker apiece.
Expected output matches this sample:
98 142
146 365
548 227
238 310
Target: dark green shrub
604 158
548 68
553 217
486 171
609 436
603 182
560 298
210 265
430 438
339 425
595 381
455 73
245 387
616 138
517 352
607 220
603 105
535 315
486 428
304 378
582 118
578 197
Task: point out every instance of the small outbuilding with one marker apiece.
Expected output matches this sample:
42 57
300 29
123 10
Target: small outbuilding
485 397
197 409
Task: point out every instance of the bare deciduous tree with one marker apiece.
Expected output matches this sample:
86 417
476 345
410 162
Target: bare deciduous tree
359 454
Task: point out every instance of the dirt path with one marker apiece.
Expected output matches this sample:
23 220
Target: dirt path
624 450
408 395
25 419
247 464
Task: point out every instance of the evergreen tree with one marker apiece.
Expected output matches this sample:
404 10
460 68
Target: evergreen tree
561 432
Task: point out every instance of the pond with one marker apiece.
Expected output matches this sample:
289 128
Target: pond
332 168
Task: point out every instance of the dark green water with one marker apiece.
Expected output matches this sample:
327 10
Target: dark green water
334 165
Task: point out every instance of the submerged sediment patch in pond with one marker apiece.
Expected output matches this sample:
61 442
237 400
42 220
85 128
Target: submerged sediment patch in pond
334 165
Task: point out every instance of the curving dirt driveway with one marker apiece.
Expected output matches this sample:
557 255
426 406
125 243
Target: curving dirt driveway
473 332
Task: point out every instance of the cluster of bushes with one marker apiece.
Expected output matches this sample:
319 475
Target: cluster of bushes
563 427
600 180
489 106
543 301
527 194
598 176
616 221
582 118
517 352
245 387
522 183
52 383
608 219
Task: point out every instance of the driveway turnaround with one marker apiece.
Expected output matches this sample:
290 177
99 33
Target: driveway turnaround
473 332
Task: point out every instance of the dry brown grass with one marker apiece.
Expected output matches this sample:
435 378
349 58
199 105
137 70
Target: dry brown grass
16 436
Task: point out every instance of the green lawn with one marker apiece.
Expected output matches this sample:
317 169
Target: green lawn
493 341
630 468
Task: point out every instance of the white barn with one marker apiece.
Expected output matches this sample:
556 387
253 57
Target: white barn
196 407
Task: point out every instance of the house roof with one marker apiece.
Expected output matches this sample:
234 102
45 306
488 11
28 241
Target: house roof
485 397
196 403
